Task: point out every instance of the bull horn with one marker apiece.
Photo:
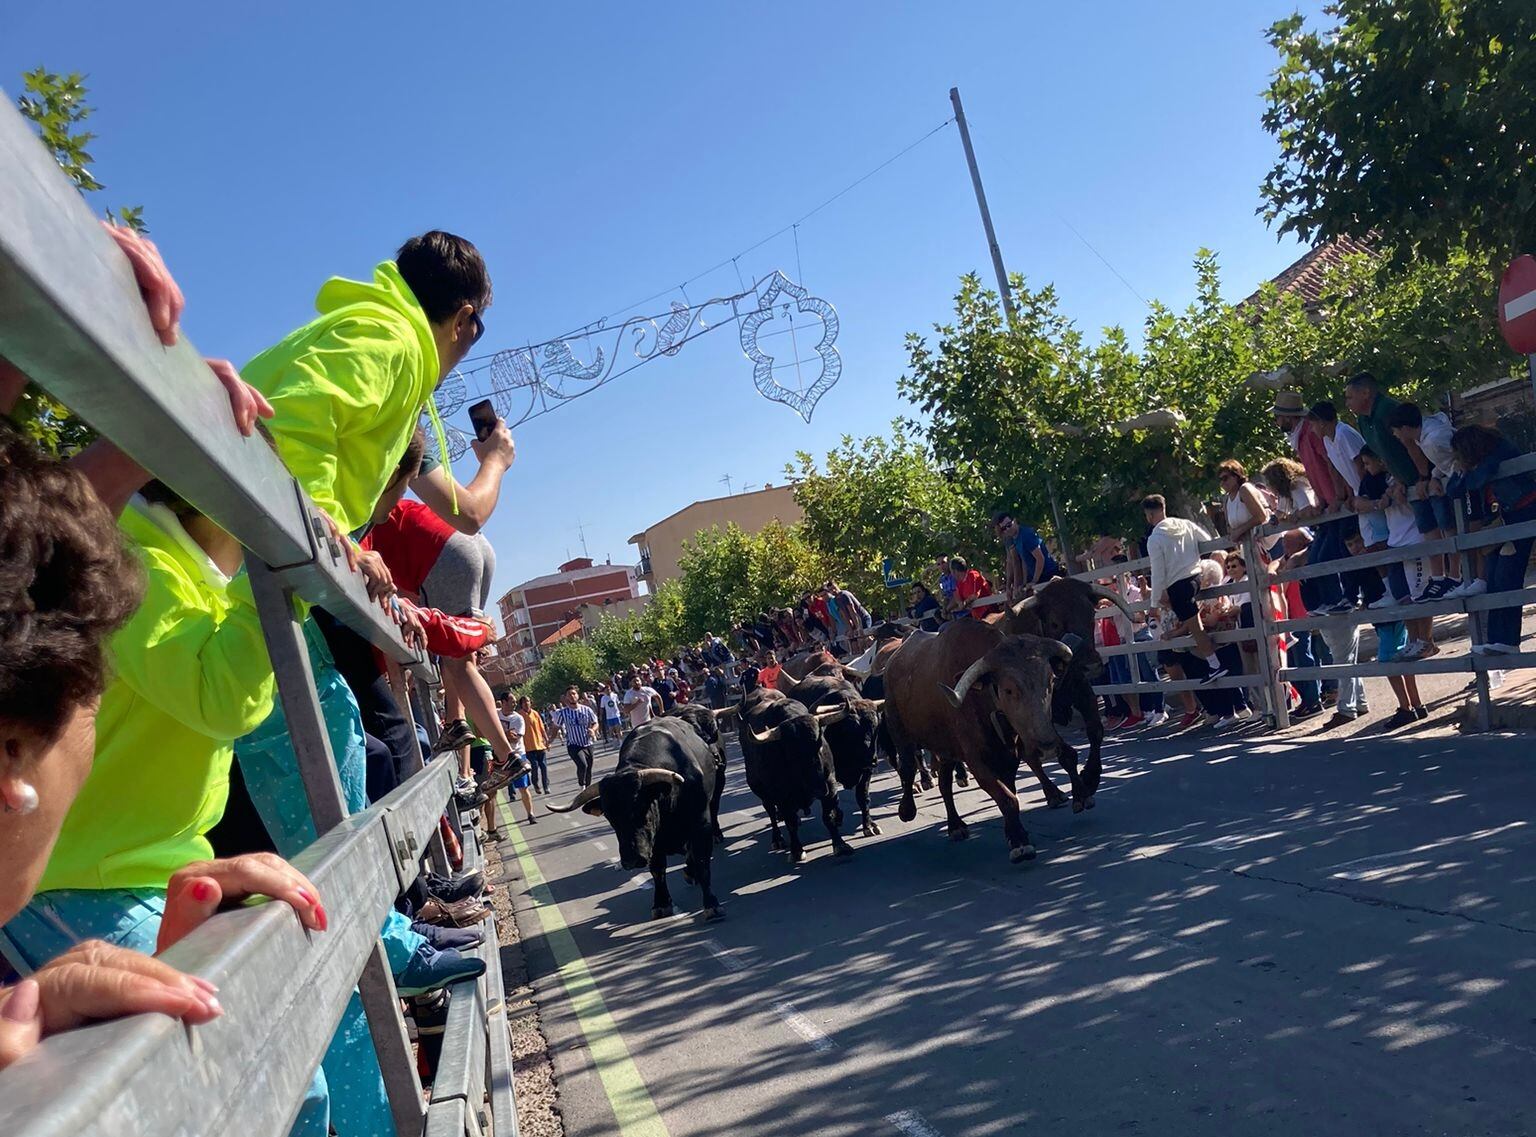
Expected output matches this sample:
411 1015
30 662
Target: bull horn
725 712
874 704
654 777
1026 604
1063 650
767 736
973 673
1110 594
829 715
588 794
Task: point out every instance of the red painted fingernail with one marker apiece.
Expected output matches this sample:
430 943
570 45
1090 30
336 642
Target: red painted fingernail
202 891
320 916
306 897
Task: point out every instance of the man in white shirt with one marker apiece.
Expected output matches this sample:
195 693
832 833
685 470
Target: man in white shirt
609 705
640 703
1174 549
1343 444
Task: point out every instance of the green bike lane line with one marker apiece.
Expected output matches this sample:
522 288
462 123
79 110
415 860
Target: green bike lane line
622 1083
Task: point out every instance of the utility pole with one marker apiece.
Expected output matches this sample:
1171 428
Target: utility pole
1002 285
726 478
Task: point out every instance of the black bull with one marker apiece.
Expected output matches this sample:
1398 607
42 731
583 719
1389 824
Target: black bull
661 800
789 766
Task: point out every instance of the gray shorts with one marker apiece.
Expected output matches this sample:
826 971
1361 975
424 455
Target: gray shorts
460 582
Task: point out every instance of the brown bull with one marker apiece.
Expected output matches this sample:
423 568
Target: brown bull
1064 609
978 698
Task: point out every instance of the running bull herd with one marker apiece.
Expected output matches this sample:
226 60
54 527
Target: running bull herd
975 700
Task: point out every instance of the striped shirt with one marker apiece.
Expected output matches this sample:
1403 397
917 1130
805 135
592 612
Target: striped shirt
577 723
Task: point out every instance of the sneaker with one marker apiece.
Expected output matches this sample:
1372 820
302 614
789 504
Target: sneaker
431 970
1338 719
1420 713
1475 587
1330 698
1243 714
1497 649
1189 720
1221 721
459 939
1115 723
464 786
1133 722
1435 589
1400 718
456 735
1362 708
459 914
1339 607
1306 711
1157 718
1387 601
454 888
1415 649
1214 675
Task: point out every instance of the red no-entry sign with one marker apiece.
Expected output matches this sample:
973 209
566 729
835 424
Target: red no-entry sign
1517 305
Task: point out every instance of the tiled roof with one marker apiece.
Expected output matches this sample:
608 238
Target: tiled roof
1305 277
563 632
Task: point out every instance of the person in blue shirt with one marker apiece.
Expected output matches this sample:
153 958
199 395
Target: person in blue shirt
1029 561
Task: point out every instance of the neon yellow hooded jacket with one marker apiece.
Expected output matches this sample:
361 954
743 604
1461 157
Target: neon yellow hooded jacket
348 389
190 675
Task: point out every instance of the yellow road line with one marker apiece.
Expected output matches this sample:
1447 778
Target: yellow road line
625 1088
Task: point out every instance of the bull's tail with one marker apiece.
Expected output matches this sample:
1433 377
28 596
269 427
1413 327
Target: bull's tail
885 746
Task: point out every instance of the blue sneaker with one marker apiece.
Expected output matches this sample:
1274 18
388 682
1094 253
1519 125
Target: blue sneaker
432 970
460 939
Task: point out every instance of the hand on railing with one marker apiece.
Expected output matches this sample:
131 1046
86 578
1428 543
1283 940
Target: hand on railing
247 403
161 295
412 630
95 980
196 891
376 576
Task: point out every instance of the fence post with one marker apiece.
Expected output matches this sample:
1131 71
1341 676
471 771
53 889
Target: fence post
400 684
289 653
1475 625
1264 624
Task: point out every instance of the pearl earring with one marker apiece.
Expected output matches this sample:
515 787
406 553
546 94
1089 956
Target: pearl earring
26 799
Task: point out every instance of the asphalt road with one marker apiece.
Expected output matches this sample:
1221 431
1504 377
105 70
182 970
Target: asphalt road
1245 937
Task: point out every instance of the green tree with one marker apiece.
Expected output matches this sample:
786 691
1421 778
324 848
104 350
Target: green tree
1412 120
569 661
728 575
887 498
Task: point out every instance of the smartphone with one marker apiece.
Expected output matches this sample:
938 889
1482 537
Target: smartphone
483 417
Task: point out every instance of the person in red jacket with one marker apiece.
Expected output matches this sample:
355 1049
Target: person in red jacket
433 564
969 585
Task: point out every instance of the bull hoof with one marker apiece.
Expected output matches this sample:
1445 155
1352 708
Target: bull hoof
1021 853
1056 802
715 913
961 777
925 781
1089 802
842 850
796 856
871 829
1079 804
907 810
661 912
776 845
959 832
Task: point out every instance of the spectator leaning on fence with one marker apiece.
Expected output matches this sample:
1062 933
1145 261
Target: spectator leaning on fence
1174 549
1479 452
1245 509
1427 440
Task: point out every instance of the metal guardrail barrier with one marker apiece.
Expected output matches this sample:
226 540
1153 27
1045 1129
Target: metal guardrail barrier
71 318
283 990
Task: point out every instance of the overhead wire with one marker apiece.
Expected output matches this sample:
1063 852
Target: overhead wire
735 259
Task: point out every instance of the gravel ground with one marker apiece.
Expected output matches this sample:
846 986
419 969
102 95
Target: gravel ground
538 1110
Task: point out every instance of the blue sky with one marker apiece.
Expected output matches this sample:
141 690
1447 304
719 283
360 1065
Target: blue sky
597 154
